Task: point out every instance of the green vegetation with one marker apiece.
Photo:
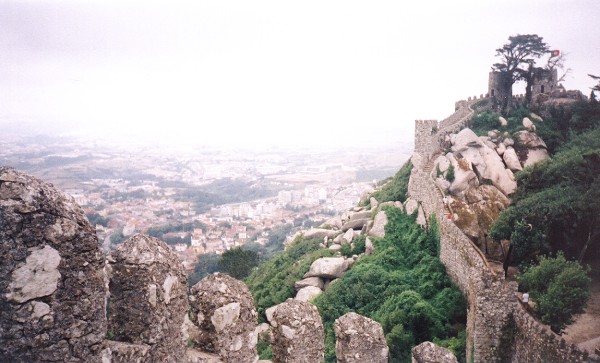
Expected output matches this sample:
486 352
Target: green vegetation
450 173
397 188
488 120
238 262
559 288
207 264
556 206
223 191
96 218
403 285
272 282
161 231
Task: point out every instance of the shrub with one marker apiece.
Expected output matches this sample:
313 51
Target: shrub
450 173
397 188
560 289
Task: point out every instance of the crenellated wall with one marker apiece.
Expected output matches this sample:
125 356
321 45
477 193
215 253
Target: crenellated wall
498 330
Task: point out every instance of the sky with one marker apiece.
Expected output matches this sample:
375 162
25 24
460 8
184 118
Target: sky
275 73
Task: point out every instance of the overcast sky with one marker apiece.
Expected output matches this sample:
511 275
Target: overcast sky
267 72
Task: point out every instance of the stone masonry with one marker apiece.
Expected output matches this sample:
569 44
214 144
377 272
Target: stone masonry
493 307
51 280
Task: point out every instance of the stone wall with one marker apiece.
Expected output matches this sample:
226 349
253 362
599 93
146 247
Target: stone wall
57 291
495 322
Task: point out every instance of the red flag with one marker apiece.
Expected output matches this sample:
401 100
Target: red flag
554 53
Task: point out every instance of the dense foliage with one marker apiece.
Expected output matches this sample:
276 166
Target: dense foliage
403 285
556 206
397 188
485 121
238 262
207 264
272 282
559 288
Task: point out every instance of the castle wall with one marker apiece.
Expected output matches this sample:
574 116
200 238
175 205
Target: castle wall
492 301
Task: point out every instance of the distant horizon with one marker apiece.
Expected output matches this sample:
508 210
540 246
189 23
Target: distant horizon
267 73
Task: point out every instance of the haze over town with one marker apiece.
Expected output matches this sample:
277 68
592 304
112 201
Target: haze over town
264 73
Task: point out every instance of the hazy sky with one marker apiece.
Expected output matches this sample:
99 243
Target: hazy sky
267 72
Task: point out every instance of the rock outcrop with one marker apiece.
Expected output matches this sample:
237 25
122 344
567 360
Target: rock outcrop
359 340
427 352
51 275
223 310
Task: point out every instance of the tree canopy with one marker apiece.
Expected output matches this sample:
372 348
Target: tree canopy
517 59
559 288
519 53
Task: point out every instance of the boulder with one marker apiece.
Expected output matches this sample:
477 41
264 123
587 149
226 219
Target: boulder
373 202
335 247
501 149
378 229
534 156
427 352
410 206
359 340
511 159
348 236
52 288
528 124
308 293
536 117
442 163
486 162
421 219
320 233
502 121
298 335
508 141
335 223
529 140
356 224
359 215
328 267
310 281
464 177
223 310
369 248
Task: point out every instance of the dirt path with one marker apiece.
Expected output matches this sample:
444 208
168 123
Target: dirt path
585 331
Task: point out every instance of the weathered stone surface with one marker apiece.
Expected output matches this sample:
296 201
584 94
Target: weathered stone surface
359 340
380 221
51 280
148 288
334 222
511 159
427 352
486 162
320 233
310 281
501 149
369 248
223 310
308 293
119 352
502 121
529 140
528 124
195 356
328 267
348 236
534 156
355 224
536 117
410 205
442 163
298 334
374 203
